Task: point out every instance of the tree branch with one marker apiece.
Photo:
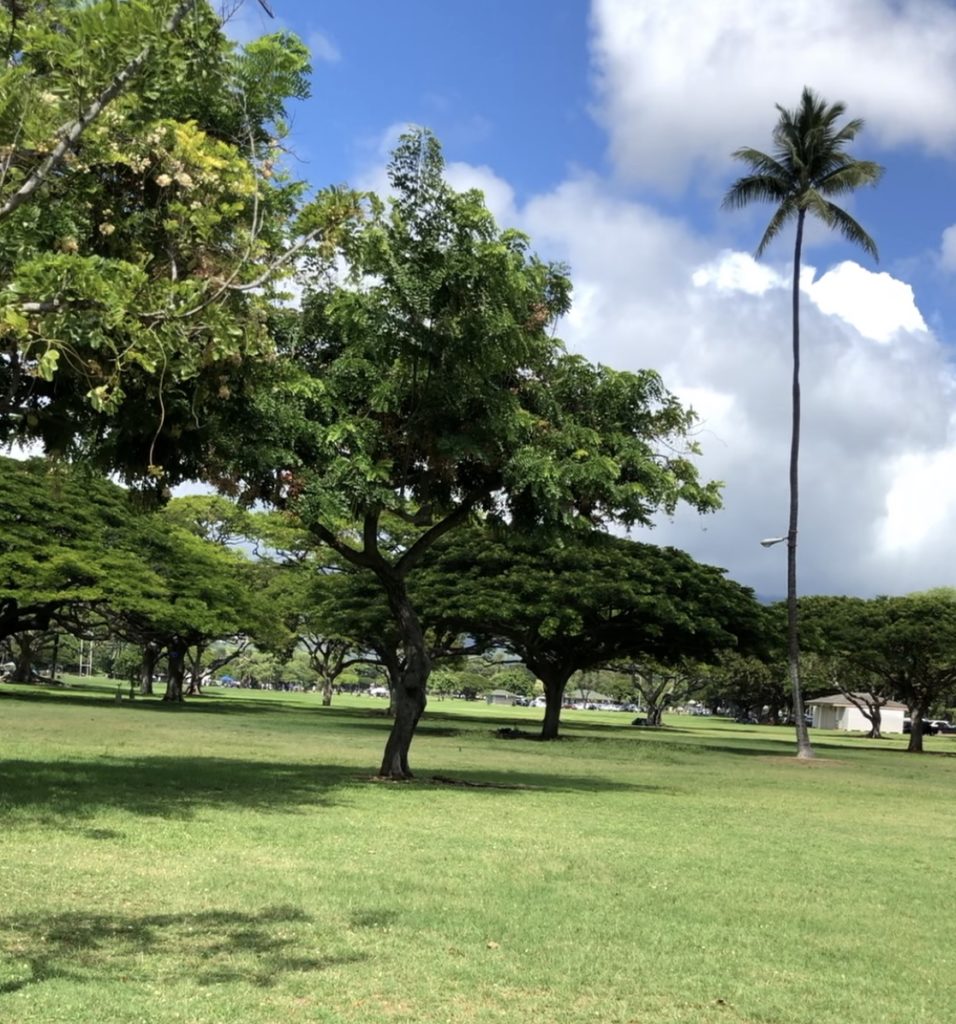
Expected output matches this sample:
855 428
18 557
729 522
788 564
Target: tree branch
72 133
417 551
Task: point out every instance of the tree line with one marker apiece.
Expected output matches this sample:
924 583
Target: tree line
202 586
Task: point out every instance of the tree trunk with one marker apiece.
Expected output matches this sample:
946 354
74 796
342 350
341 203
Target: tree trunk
655 713
804 749
409 694
147 669
326 692
876 723
176 661
54 656
195 672
554 686
917 714
24 658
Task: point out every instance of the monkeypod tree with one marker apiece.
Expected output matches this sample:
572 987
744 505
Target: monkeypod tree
203 592
905 645
828 625
570 602
67 543
426 384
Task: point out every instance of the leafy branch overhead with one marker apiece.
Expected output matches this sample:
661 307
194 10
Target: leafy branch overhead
143 242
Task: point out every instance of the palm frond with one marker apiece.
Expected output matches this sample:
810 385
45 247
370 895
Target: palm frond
850 176
851 230
784 212
849 131
760 162
755 188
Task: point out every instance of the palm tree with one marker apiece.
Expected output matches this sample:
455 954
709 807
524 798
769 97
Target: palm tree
807 167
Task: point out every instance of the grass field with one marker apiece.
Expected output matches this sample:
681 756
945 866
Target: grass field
231 860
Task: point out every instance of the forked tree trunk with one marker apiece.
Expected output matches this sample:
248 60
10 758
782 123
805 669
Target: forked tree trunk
876 723
195 671
804 749
655 714
409 694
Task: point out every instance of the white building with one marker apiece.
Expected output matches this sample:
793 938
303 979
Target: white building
839 712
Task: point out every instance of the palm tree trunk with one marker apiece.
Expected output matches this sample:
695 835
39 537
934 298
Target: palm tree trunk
804 750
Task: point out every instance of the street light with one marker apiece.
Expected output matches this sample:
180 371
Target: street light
768 542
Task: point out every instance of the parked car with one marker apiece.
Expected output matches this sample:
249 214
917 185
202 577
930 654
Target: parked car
929 729
943 726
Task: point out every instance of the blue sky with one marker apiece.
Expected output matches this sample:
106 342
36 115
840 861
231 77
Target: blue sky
604 129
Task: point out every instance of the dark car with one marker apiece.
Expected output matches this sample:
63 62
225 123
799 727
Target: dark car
929 728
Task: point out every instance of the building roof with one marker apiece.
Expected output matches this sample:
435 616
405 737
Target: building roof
841 700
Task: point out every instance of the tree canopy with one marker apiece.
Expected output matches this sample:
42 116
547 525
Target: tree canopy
141 238
904 647
569 603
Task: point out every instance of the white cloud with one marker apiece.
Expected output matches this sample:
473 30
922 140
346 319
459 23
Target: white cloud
877 305
948 248
499 195
921 502
677 80
322 48
737 271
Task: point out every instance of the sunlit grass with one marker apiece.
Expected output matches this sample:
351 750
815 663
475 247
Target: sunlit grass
232 861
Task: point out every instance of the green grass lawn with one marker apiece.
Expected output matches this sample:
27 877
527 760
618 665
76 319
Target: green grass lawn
232 861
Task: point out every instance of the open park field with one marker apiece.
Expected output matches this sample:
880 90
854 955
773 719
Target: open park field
232 861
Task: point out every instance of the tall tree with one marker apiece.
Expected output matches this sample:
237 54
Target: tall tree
806 168
428 384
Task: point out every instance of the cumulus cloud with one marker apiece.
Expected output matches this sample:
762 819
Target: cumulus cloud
677 80
499 195
877 305
737 271
877 392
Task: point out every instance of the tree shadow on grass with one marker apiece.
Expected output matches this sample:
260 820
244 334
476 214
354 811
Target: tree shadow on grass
214 946
166 787
205 703
69 794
